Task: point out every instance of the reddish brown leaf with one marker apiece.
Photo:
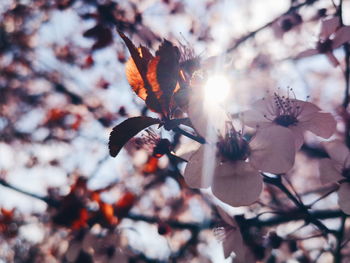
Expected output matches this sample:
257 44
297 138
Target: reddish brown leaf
154 79
151 166
102 34
140 56
107 211
124 204
163 74
123 132
135 79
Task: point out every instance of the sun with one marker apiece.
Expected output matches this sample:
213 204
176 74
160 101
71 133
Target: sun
216 89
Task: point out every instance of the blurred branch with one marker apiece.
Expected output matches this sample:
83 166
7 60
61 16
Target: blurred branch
172 223
314 151
249 35
47 200
277 181
294 215
189 135
339 236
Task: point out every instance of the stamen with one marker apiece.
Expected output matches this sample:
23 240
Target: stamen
233 146
286 110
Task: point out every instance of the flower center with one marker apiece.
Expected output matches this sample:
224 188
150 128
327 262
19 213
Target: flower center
286 120
286 111
233 146
324 46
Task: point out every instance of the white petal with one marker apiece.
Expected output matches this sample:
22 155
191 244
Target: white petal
341 37
273 150
330 172
344 197
338 151
321 123
328 27
236 183
194 169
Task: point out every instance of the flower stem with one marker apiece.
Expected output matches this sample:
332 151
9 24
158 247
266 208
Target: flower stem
189 135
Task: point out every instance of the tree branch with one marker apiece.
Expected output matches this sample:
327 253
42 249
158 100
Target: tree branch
244 38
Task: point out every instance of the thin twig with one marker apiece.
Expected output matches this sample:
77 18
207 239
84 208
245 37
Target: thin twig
47 200
242 39
189 135
340 236
323 196
277 181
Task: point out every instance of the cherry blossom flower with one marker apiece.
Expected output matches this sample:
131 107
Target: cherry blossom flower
232 241
236 179
337 169
228 162
331 37
290 114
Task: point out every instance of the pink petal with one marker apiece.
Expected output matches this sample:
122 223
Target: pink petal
347 162
322 124
254 119
119 257
298 133
233 241
264 106
206 121
338 151
344 197
236 183
247 258
194 169
341 37
328 27
334 61
307 53
273 150
330 172
226 217
306 108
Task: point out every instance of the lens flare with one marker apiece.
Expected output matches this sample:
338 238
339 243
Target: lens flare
216 89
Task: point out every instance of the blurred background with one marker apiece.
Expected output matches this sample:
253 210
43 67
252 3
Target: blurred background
63 88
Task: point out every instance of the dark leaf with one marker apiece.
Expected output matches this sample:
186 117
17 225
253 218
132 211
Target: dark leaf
140 56
123 132
102 34
163 73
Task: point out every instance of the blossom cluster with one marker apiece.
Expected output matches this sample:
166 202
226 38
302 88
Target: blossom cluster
279 122
231 161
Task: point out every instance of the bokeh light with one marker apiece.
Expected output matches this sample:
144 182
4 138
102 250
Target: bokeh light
217 89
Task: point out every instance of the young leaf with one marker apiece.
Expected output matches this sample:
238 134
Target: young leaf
140 56
163 73
123 132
